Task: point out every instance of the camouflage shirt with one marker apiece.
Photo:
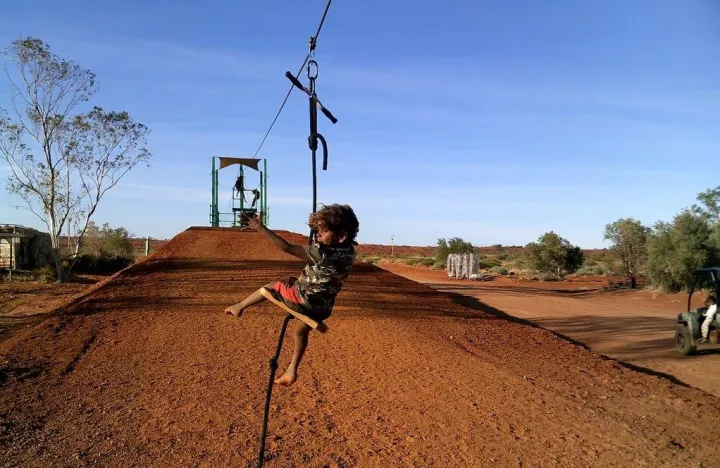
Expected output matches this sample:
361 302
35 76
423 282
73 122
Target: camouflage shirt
323 276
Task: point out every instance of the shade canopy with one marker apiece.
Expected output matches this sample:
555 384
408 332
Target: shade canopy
251 163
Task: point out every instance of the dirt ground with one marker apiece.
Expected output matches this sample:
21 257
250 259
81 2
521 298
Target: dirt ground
24 303
636 327
146 370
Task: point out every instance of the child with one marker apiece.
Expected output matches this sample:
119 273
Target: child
711 304
329 261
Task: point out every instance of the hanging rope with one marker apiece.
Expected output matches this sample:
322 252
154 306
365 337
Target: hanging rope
312 142
273 369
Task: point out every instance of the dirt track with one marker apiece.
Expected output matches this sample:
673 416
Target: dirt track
147 370
636 327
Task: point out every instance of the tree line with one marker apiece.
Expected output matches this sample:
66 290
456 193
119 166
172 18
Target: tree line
665 254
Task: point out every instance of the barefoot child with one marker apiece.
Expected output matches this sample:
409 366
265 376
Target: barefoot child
329 261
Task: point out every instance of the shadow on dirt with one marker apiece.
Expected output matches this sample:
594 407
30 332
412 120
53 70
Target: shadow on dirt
586 322
517 290
86 279
9 324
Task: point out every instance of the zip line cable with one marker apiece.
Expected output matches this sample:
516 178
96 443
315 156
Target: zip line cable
313 43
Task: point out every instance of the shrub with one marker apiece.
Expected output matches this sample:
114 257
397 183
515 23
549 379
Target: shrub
439 266
107 242
546 277
489 262
675 250
45 273
553 255
427 261
587 270
499 270
454 245
412 260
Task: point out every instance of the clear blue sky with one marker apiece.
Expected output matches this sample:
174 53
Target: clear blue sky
495 121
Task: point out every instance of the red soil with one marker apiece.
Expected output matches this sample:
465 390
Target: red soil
147 370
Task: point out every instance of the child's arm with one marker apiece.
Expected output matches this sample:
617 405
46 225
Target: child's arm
279 242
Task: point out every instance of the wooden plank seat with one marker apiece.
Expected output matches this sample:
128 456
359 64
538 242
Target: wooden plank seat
312 323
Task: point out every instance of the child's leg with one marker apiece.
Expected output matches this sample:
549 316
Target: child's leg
301 339
252 299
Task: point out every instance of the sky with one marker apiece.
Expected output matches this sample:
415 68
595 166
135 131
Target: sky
494 121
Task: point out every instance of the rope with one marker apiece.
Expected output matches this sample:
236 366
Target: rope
313 139
273 368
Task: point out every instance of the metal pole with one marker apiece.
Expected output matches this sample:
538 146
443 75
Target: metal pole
265 203
213 202
242 194
212 193
267 208
12 258
217 189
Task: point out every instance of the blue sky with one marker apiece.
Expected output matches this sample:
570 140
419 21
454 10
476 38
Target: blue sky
493 121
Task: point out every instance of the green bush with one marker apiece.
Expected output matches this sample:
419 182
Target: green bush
499 270
489 262
412 261
107 242
675 250
546 277
588 270
553 255
454 245
427 261
45 273
439 266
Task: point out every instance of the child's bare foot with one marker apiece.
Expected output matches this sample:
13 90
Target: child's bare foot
234 310
286 379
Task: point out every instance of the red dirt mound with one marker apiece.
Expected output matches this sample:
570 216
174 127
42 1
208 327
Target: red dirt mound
147 370
224 243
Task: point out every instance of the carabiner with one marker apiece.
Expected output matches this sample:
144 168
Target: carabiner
312 66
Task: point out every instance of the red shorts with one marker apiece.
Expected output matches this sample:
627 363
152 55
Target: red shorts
286 292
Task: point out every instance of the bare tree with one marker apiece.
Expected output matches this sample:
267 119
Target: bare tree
62 163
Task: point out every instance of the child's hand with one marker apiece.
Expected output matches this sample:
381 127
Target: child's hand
254 223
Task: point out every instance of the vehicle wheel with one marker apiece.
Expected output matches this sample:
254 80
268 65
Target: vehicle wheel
683 342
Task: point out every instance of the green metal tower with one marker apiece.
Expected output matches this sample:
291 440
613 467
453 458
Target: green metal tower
240 204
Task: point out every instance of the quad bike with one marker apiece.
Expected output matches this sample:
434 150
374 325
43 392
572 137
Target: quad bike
688 333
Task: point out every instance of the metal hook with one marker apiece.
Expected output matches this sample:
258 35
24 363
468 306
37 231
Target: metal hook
312 66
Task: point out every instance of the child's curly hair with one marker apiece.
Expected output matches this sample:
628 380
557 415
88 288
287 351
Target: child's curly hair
338 219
